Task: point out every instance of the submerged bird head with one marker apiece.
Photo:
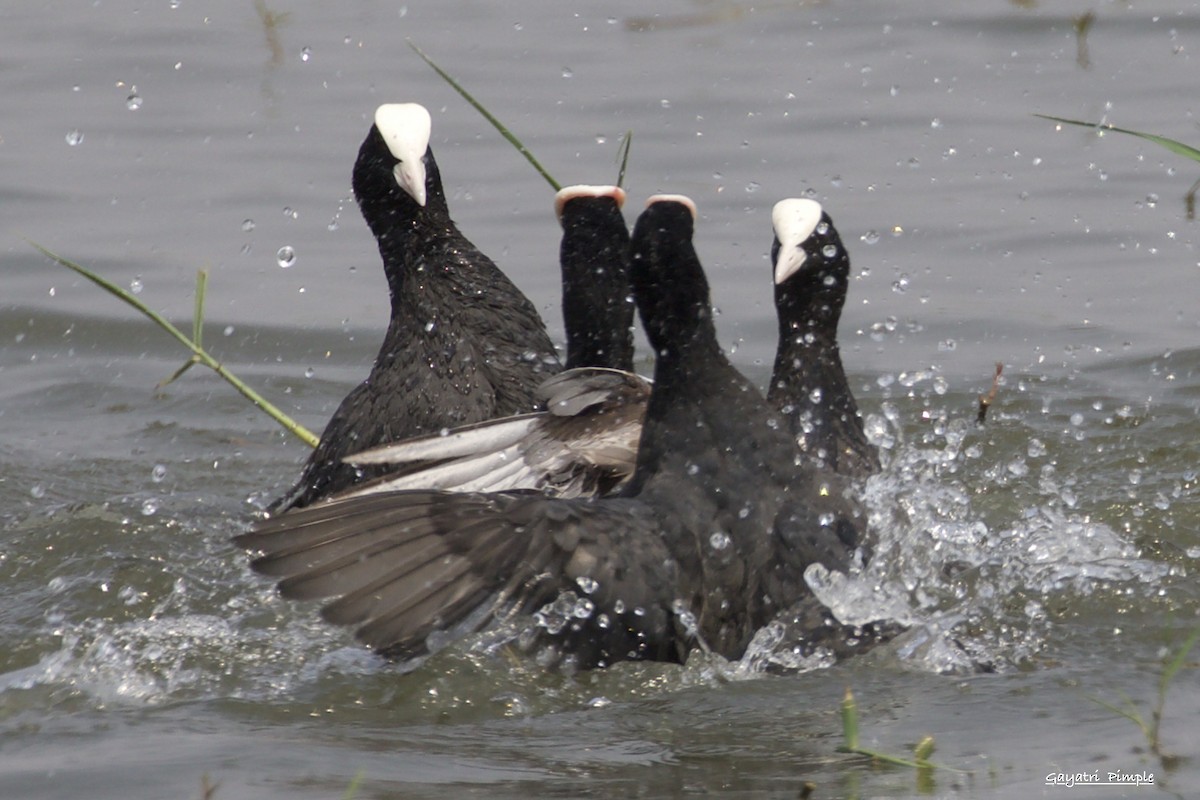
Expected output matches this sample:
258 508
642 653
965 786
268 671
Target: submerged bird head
594 256
667 279
811 266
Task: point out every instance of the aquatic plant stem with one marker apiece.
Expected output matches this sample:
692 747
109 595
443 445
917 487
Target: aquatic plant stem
1179 148
623 155
921 751
1152 730
199 354
497 124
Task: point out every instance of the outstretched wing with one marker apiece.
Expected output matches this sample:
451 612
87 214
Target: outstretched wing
401 566
584 444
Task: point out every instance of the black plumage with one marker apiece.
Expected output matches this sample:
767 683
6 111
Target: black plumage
597 305
808 384
585 443
463 343
578 448
707 543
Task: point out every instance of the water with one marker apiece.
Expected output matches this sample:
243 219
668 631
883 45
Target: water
1056 544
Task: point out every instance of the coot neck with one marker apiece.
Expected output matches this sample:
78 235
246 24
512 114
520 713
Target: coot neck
597 305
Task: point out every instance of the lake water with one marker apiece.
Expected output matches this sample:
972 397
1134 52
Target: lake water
139 656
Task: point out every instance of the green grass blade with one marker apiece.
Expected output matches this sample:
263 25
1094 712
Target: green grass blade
353 787
851 744
1175 147
198 316
200 355
174 376
499 126
1177 662
623 155
120 293
849 722
1130 713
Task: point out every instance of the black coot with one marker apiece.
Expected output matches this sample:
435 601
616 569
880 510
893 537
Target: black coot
463 344
809 386
585 443
707 543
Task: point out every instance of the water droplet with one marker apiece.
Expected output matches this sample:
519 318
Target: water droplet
133 102
826 519
309 372
588 585
900 285
247 225
822 228
752 187
136 285
305 54
829 251
665 103
228 330
719 540
74 137
149 507
291 213
1077 419
815 395
870 237
567 72
286 256
37 491
158 473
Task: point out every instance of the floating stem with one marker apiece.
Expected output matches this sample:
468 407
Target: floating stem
199 354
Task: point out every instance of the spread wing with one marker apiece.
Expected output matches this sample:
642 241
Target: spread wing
401 566
584 444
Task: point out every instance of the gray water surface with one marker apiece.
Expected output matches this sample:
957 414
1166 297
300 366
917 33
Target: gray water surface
1057 544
